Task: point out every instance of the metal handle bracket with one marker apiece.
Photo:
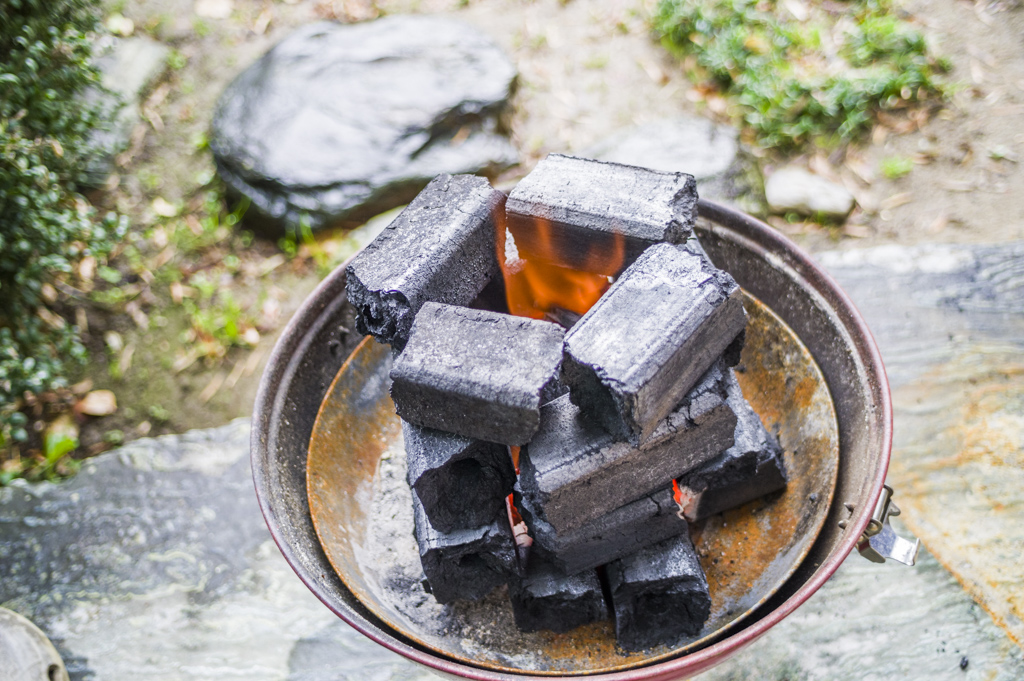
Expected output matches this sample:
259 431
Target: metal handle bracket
880 542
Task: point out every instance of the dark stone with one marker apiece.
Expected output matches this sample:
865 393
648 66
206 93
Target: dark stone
647 341
547 598
476 373
658 594
584 203
342 122
462 483
465 564
440 248
749 469
574 472
614 535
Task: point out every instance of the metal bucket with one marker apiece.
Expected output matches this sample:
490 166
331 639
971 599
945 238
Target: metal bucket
321 337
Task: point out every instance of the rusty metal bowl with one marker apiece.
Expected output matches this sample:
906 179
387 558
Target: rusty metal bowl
320 339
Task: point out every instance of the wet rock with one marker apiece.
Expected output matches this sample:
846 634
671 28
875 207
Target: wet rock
689 144
340 122
795 190
128 67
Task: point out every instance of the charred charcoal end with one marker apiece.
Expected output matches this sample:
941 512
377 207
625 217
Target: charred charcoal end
548 599
460 482
464 564
659 595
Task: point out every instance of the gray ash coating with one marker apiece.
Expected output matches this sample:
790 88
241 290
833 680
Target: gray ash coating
460 482
476 373
573 471
614 535
440 248
584 202
637 352
749 469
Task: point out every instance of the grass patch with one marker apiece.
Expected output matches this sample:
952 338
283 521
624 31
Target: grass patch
820 78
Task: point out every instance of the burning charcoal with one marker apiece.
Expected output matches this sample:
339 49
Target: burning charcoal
573 471
462 483
464 564
440 248
568 207
548 599
647 341
476 373
749 469
658 594
614 535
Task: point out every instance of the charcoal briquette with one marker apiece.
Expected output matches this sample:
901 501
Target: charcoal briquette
464 564
547 598
633 357
568 207
614 535
441 248
658 595
461 482
476 373
751 468
573 471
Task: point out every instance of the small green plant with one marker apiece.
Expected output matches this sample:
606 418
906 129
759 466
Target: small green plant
785 84
45 225
895 167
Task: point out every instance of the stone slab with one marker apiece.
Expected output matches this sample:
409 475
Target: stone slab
154 562
949 320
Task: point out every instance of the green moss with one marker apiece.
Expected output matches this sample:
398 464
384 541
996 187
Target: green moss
783 85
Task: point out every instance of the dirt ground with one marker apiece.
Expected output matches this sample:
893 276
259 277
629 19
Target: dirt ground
587 68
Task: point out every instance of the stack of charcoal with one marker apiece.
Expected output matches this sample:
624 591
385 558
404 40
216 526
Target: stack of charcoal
566 460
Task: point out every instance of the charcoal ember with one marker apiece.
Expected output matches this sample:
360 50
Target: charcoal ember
476 373
574 471
464 564
440 248
584 205
749 469
614 535
547 598
633 357
658 595
461 482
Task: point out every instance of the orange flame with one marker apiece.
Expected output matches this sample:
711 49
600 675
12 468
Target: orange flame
514 453
537 288
677 494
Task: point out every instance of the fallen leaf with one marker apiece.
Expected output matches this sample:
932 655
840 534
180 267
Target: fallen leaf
897 200
82 387
163 208
97 403
263 21
211 388
114 341
60 437
87 268
49 293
